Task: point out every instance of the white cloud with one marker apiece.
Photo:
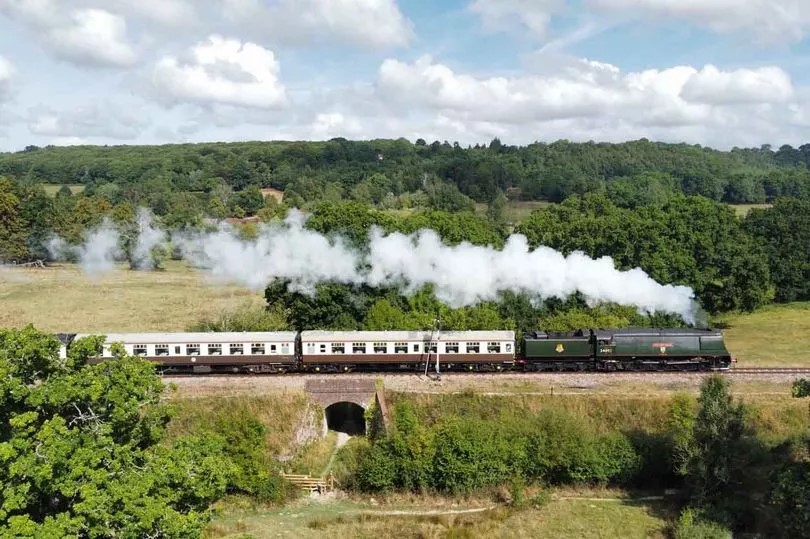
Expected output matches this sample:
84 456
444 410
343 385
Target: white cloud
762 85
362 22
222 71
166 12
6 75
581 99
87 37
105 120
504 15
95 37
768 20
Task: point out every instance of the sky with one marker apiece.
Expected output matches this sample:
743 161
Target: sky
721 73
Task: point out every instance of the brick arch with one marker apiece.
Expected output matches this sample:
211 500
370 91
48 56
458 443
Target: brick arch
339 389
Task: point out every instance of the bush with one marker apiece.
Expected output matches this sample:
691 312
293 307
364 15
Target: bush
378 470
691 525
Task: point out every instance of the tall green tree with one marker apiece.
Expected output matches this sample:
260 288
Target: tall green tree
13 245
80 451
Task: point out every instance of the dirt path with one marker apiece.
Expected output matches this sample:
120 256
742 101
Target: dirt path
430 513
342 438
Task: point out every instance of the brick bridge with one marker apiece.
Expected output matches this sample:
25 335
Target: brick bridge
335 394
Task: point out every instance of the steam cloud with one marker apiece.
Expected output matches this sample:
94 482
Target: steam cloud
461 275
96 255
149 237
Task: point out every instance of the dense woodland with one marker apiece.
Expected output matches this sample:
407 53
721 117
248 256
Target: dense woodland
661 207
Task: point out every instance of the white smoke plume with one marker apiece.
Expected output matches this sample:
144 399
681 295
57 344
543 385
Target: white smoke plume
149 237
461 275
100 249
58 248
96 255
466 274
285 250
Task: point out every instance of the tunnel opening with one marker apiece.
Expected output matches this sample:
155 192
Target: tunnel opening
346 417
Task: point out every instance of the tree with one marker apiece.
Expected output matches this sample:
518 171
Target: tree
716 468
12 226
81 452
784 232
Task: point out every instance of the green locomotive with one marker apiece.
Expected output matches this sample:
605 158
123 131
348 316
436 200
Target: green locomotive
633 349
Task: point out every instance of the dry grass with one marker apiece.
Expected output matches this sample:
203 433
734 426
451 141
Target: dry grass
606 515
774 336
280 415
62 299
51 188
517 210
742 209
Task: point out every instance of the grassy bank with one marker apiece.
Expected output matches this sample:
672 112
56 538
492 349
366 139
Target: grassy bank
774 336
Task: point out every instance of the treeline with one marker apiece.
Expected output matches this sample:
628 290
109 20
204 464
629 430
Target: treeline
732 475
401 174
732 264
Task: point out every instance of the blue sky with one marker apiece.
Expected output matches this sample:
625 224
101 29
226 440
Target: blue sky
717 72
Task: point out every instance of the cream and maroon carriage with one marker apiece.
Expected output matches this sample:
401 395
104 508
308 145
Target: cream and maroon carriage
343 351
210 352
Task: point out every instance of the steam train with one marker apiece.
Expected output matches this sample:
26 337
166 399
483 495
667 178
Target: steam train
378 351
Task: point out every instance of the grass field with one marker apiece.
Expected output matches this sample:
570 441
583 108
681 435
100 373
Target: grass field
51 189
774 336
604 515
742 209
516 210
62 299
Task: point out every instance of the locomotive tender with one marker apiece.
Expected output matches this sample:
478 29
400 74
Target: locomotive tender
635 349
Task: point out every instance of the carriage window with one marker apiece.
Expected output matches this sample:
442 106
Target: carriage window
214 349
237 349
508 347
451 347
430 347
139 349
494 347
473 348
358 348
338 348
193 349
323 349
310 348
380 347
257 348
415 347
162 350
285 348
273 348
400 348
177 350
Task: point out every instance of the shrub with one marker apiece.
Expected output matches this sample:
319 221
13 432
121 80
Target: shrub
691 525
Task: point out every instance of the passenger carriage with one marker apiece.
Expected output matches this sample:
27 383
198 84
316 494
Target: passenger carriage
330 351
210 352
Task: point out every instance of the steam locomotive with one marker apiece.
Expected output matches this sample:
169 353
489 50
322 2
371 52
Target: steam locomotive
635 349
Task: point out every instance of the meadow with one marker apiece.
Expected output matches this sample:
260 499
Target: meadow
61 298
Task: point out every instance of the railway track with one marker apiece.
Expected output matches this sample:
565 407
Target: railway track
751 371
769 370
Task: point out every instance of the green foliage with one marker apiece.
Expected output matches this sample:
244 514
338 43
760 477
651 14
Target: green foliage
692 525
790 497
801 388
245 319
463 454
691 241
80 453
12 227
716 469
784 231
